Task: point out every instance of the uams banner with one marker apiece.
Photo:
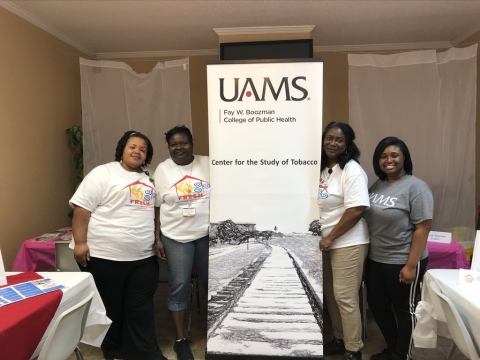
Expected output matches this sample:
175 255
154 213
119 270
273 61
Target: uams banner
265 277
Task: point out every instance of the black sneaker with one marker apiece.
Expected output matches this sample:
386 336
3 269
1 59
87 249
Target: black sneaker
335 346
183 350
351 355
384 355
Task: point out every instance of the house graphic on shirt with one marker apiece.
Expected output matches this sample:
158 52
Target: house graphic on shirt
141 194
189 187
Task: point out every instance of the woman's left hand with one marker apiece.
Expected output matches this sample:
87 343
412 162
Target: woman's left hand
407 275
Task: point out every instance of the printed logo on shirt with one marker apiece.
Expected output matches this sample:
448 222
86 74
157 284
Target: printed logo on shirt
382 201
141 195
191 188
322 189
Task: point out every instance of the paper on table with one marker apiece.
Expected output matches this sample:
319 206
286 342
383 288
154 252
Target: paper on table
469 278
27 289
3 276
438 236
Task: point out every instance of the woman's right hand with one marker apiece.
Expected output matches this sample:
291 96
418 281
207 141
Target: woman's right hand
159 250
81 253
325 243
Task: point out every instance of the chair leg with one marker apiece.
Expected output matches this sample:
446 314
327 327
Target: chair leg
78 354
451 351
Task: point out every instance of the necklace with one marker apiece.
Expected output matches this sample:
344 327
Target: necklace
181 174
326 175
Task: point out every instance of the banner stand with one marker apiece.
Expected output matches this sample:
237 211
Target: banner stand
265 266
256 357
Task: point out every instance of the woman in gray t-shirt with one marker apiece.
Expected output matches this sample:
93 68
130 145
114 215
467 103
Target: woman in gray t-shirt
399 220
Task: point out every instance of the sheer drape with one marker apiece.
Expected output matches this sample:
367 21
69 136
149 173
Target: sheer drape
428 100
115 99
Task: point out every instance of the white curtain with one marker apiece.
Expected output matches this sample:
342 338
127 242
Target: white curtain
115 99
428 100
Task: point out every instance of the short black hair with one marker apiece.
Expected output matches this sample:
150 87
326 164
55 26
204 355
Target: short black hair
351 152
382 145
123 142
179 130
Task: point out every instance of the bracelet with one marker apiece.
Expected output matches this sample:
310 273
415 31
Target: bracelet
157 238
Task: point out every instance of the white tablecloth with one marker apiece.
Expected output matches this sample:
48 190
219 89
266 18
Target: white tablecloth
430 315
79 285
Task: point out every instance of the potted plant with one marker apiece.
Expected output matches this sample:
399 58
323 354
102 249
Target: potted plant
76 140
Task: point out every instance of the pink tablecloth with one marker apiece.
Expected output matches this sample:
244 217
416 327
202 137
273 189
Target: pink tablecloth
37 255
446 256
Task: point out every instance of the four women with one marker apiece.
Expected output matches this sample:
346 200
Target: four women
114 227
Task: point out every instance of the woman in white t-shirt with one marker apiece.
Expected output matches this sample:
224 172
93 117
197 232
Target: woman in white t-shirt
342 198
182 219
113 230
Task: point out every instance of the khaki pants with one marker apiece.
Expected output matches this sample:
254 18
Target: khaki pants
342 277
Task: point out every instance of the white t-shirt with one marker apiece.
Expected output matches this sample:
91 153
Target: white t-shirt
179 190
121 203
338 191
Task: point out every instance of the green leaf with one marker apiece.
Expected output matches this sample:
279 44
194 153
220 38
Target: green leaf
76 139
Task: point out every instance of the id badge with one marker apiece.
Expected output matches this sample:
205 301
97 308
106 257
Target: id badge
188 212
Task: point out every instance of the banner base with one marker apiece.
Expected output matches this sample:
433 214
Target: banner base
257 357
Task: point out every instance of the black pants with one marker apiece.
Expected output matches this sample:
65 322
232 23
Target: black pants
127 289
384 292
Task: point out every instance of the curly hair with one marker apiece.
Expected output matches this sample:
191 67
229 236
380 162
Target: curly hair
382 145
179 130
123 142
352 152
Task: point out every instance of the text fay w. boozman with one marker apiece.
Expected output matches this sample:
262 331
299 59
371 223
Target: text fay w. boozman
254 116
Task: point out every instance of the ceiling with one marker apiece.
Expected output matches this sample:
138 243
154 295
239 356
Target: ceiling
109 29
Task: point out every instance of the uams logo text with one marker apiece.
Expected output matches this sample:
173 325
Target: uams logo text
286 86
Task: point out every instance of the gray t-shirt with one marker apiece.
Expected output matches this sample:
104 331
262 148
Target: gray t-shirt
394 210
